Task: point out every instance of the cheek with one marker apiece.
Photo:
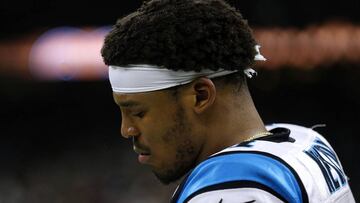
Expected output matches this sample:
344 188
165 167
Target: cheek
168 136
155 128
174 146
163 143
152 137
164 156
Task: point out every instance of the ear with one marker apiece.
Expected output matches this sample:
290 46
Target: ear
205 94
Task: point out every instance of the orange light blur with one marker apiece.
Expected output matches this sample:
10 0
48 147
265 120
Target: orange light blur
309 48
74 53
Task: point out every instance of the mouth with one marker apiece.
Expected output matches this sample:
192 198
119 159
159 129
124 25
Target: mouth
140 151
144 155
143 159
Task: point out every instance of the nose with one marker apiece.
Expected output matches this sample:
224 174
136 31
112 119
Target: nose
128 130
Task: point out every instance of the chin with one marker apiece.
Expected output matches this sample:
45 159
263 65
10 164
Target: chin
167 176
166 179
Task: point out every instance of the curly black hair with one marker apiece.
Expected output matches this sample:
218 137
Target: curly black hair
187 35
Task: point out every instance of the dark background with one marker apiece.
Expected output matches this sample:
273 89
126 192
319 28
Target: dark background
60 140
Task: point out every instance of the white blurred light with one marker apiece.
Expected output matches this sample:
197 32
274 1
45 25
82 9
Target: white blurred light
68 53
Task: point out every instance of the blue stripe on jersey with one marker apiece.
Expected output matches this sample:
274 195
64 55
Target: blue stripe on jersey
243 166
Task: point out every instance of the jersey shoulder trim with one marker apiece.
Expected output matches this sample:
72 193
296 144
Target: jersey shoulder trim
244 169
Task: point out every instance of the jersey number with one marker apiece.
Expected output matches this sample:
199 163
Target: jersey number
325 157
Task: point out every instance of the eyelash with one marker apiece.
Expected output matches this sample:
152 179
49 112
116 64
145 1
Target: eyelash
140 114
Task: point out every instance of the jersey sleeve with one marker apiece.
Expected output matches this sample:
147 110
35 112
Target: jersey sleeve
238 195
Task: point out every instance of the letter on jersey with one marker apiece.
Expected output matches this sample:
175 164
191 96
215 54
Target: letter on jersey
330 166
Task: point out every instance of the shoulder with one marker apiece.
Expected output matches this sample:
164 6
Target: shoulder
234 170
295 164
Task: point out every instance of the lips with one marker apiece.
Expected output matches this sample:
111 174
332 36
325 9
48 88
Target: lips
143 158
144 155
142 151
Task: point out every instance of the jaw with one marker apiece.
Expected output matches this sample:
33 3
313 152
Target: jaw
172 169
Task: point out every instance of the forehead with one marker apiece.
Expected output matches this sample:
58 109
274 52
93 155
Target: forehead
137 99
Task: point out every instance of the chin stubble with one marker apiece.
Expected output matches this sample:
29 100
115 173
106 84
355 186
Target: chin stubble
180 136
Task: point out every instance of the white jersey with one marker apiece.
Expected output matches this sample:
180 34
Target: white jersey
295 164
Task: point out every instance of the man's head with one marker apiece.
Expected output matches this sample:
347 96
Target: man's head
172 128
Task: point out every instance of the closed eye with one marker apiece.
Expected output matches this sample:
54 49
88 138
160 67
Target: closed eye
139 114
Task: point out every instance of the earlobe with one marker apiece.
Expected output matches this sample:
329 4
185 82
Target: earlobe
205 92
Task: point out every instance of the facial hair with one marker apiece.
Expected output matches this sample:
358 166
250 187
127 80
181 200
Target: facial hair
179 135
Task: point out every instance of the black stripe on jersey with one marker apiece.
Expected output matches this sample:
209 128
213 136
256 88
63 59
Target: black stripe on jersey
304 195
234 185
179 190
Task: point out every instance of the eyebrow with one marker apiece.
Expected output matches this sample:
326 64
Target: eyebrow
127 104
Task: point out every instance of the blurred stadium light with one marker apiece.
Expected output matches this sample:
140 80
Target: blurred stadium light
314 46
70 53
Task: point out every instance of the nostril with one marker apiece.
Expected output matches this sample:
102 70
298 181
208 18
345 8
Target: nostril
130 130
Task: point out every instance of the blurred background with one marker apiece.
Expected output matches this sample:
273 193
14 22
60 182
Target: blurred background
59 127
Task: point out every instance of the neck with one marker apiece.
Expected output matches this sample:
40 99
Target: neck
230 123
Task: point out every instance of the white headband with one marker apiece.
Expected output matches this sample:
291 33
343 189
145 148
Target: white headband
136 78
